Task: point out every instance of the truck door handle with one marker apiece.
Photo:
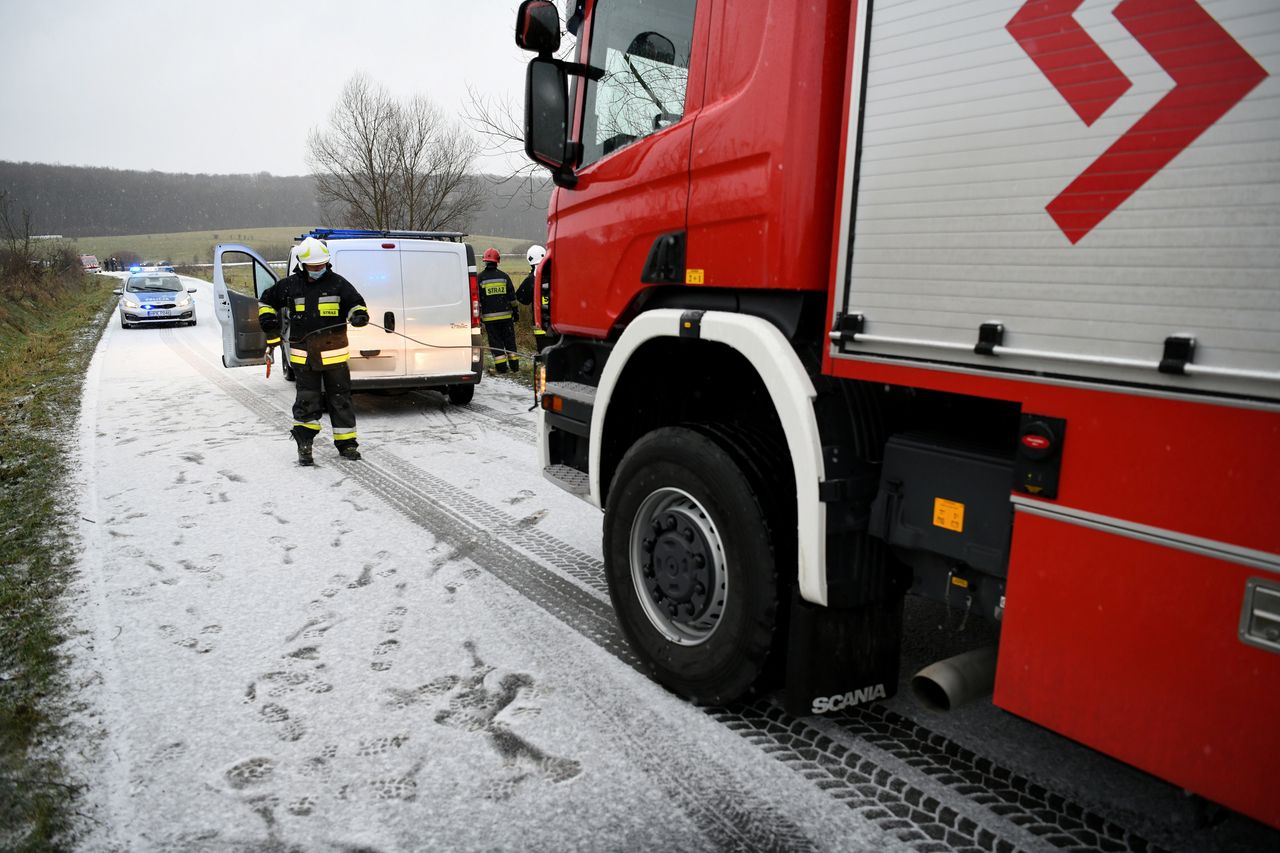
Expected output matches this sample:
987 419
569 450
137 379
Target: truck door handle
389 321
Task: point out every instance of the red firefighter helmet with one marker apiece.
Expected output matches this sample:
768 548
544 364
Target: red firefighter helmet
491 255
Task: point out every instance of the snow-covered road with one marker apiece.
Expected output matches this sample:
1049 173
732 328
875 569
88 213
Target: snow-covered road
416 652
348 656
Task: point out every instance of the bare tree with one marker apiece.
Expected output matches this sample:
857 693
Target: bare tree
384 164
501 125
16 255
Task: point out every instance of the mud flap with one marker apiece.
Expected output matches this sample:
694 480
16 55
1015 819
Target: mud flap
838 657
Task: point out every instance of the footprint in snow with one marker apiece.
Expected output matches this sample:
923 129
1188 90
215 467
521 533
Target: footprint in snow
474 707
249 772
287 727
385 649
392 623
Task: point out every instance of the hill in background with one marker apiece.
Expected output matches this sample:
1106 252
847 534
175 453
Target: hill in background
79 201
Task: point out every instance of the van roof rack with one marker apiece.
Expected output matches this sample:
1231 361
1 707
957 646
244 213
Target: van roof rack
353 233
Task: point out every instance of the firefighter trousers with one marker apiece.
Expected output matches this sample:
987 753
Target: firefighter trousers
502 343
320 391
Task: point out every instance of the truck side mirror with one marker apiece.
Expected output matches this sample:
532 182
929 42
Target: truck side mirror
546 117
538 27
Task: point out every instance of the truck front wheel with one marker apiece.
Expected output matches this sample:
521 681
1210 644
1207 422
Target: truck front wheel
689 560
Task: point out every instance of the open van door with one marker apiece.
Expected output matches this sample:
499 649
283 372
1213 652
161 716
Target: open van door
238 271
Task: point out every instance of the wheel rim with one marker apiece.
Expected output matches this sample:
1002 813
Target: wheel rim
678 566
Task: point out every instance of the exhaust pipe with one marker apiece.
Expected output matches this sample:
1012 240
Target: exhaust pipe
950 683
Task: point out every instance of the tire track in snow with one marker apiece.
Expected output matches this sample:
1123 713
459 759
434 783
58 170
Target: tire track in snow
494 418
999 810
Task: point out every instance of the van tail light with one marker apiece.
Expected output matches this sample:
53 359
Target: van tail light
475 300
542 287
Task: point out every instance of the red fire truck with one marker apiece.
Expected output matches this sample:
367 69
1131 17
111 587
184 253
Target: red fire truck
974 301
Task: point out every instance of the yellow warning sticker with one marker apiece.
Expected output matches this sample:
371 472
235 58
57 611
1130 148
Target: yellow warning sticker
949 515
694 276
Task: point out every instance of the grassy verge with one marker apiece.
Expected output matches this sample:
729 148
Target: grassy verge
46 341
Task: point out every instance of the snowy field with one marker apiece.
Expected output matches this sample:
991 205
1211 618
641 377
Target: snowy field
416 652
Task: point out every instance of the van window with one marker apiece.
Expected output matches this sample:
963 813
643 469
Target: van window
643 48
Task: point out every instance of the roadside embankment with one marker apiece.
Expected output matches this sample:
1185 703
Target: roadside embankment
50 324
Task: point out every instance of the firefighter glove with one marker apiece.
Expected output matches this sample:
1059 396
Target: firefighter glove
270 323
360 318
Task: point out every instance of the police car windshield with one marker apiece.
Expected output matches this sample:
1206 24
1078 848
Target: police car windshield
154 284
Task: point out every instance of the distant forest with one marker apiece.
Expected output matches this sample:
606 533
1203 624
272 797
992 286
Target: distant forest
80 201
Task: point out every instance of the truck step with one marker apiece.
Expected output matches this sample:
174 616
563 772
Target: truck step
570 479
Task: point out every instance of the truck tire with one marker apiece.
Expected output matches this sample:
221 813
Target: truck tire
685 534
460 395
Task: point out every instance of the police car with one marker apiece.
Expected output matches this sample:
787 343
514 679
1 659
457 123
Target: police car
155 297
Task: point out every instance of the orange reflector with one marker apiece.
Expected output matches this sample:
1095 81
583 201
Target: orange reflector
388 245
552 402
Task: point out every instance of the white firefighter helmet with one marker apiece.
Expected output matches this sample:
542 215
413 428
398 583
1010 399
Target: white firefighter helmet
535 255
313 251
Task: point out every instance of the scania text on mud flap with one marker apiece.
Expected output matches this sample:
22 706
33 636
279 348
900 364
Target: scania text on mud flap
859 299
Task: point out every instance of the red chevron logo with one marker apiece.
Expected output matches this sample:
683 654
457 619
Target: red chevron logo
1074 63
1211 74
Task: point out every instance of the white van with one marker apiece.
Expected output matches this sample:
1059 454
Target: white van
419 287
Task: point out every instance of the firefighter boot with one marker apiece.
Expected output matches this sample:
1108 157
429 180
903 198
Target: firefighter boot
348 451
304 454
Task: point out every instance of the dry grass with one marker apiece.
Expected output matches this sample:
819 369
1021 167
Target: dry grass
47 337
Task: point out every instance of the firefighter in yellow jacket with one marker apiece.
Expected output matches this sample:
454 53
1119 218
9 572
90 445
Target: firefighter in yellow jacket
499 311
318 303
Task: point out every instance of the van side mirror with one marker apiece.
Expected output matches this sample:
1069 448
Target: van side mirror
546 118
117 292
538 27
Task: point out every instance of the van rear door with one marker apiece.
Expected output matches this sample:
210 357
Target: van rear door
373 267
437 308
240 276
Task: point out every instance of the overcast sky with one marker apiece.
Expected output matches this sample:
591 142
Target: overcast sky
231 86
